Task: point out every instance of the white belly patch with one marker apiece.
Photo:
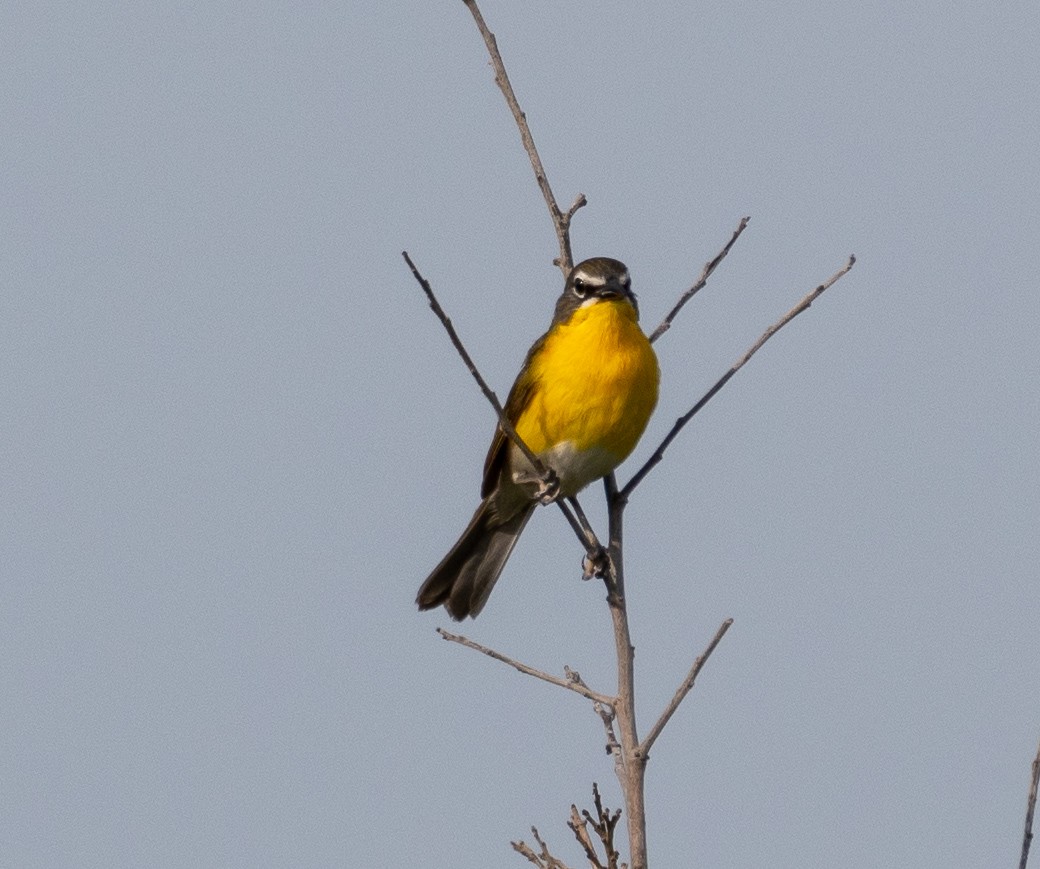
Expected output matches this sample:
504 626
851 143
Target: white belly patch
575 469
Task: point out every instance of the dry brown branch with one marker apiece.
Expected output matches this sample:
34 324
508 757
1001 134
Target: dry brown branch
577 686
631 770
602 825
561 219
579 826
544 859
709 267
802 305
683 689
1027 837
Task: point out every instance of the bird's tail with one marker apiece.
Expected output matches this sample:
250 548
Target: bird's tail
464 578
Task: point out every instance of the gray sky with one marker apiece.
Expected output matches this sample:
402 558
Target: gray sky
234 439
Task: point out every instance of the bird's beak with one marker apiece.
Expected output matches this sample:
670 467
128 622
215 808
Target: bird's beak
613 289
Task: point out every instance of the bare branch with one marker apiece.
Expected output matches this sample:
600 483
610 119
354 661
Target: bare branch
1027 837
522 847
709 267
561 219
803 305
581 526
544 860
629 762
683 689
544 473
589 537
604 825
578 687
579 826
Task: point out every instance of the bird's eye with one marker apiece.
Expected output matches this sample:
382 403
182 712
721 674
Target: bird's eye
581 289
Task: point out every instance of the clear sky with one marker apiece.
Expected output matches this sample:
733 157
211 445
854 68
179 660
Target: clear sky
234 440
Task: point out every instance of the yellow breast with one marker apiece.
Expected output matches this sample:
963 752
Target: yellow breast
595 386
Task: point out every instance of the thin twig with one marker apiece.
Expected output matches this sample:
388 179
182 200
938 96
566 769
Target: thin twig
591 541
604 825
709 267
580 827
578 687
1027 837
597 559
546 476
803 305
683 689
544 860
561 219
579 523
503 421
581 531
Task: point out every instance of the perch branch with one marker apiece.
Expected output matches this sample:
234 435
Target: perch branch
803 305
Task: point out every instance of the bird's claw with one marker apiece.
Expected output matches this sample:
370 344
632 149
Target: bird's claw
548 488
596 564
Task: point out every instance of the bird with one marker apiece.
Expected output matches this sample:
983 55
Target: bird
581 402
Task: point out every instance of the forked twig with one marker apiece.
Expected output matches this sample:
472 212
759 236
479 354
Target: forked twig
802 305
543 860
561 219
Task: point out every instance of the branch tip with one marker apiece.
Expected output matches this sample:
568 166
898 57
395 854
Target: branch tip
706 272
684 688
804 303
578 686
560 223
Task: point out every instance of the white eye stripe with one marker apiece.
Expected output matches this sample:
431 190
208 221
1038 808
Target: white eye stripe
588 284
589 280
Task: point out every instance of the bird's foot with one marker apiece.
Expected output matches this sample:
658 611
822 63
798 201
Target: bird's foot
547 485
596 564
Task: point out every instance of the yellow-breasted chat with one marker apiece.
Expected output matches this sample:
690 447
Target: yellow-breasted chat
580 403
